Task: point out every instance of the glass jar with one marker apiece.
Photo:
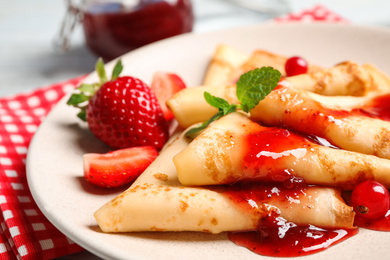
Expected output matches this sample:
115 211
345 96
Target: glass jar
113 28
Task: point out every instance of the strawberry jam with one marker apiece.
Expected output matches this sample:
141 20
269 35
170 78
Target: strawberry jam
113 29
274 235
381 224
285 239
311 117
378 107
268 147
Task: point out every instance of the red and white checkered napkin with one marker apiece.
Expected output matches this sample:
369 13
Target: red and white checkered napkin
25 233
318 13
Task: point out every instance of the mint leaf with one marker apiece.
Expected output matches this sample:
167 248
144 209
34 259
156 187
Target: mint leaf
252 87
223 106
205 124
215 101
255 85
220 103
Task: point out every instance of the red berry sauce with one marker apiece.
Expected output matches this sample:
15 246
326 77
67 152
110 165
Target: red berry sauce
267 147
296 241
381 224
274 235
378 107
313 117
112 29
266 150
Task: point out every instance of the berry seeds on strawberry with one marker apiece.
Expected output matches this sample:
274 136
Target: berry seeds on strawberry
122 112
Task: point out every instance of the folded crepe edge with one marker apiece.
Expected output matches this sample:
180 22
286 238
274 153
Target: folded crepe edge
157 201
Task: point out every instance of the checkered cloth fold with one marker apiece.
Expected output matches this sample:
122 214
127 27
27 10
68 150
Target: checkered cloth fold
25 233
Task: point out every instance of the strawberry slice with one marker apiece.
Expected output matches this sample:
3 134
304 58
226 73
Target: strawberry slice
165 85
117 168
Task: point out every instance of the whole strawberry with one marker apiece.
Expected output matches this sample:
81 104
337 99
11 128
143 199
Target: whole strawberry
123 112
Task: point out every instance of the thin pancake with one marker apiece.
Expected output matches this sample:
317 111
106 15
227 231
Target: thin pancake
234 148
157 201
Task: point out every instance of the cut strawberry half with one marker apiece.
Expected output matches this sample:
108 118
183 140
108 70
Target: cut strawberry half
165 85
117 168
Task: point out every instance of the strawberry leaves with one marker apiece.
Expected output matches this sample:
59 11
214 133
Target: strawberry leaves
252 87
117 70
86 91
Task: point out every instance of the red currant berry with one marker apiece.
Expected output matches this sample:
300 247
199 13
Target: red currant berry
295 66
370 200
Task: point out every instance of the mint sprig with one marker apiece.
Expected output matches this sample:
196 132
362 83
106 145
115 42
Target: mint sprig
85 91
252 87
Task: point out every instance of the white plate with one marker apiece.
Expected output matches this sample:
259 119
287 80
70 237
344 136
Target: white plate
54 164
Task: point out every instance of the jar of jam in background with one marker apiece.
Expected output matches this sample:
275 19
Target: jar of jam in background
113 28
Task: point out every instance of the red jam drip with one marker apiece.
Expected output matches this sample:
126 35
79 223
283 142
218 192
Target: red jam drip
266 150
381 224
112 30
267 147
297 241
314 118
378 107
244 193
274 235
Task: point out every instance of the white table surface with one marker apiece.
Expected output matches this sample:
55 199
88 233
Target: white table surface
27 29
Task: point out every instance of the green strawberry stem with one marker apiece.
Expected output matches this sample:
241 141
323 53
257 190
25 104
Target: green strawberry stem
252 87
85 92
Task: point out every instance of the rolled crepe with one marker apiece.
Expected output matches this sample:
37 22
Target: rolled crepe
190 107
157 201
258 59
345 126
380 79
229 63
344 79
225 61
234 149
263 58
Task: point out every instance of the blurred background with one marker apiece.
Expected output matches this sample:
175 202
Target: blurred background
29 59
